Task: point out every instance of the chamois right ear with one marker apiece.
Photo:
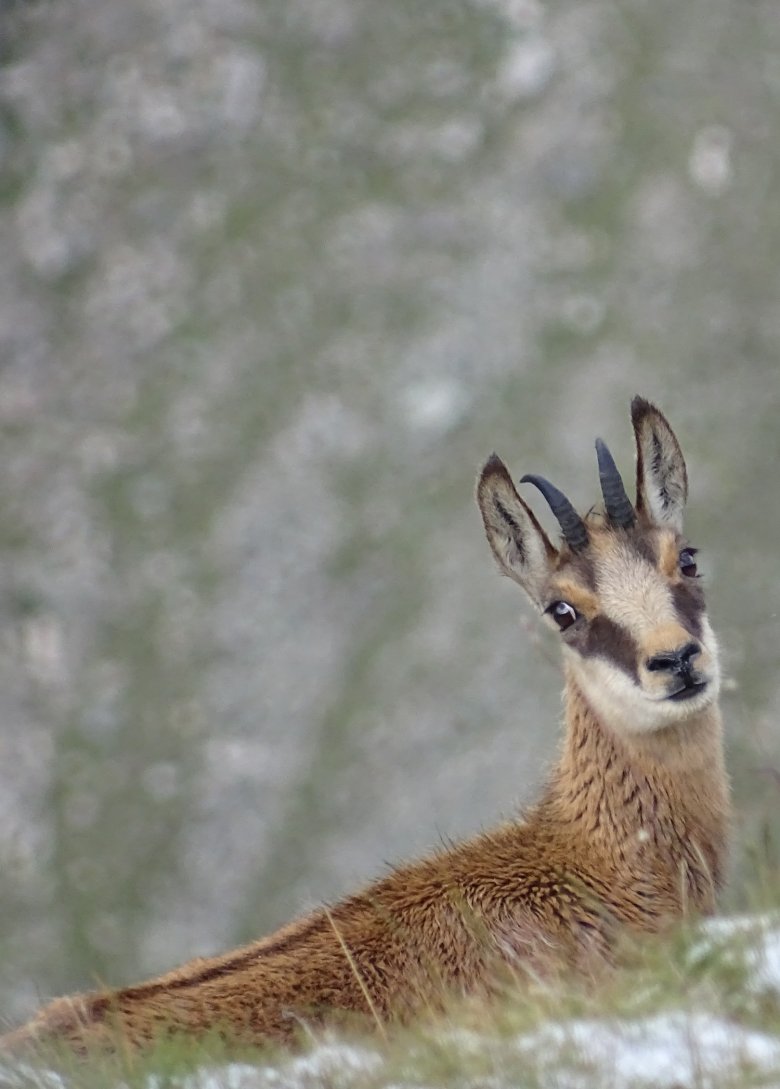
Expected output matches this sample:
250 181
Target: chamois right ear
520 545
661 476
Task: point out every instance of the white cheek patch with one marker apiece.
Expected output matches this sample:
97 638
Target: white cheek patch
710 645
612 695
621 704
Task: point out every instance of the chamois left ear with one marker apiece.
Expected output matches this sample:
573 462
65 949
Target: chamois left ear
661 476
519 544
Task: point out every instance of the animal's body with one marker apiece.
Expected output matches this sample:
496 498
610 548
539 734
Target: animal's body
630 831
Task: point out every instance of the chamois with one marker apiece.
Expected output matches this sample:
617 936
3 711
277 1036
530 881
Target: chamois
629 834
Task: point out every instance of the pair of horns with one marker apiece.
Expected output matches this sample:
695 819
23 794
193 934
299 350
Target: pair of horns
616 502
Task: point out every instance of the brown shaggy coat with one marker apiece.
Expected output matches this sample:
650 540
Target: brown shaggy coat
630 832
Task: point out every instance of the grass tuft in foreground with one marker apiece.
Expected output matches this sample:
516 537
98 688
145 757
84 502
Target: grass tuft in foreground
698 1007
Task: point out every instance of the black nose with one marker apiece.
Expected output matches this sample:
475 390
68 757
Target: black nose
674 661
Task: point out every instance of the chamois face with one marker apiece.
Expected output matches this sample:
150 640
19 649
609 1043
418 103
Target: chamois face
622 589
633 627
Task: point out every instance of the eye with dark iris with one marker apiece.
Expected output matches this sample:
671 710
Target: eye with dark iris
563 614
688 562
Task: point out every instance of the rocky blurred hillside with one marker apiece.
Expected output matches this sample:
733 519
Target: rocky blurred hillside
275 277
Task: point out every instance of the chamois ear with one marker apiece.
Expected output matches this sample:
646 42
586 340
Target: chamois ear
661 476
518 542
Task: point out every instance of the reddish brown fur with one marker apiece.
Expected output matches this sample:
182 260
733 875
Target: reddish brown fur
630 832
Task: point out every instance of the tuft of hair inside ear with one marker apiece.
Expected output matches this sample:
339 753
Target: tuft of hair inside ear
514 534
662 478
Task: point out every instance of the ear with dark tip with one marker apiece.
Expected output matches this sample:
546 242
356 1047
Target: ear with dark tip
520 545
661 476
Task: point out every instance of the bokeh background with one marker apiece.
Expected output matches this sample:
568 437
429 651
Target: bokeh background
275 276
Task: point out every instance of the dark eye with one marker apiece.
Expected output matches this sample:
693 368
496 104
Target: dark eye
563 614
688 562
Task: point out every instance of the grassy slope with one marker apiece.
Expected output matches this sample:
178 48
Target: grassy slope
698 1007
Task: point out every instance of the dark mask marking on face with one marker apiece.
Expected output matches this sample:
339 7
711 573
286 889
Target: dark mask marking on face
603 638
689 604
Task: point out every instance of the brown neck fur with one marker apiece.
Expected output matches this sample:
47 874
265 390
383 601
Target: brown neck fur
659 798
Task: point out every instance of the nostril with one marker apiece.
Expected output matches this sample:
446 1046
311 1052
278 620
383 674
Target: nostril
661 661
675 661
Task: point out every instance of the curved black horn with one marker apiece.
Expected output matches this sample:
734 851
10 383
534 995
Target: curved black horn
570 522
616 501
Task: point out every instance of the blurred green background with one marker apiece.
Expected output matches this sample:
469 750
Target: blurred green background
275 277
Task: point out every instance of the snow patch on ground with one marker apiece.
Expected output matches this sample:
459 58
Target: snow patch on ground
755 939
27 1077
676 1049
337 1066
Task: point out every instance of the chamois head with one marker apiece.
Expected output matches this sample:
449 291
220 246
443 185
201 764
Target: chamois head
622 588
